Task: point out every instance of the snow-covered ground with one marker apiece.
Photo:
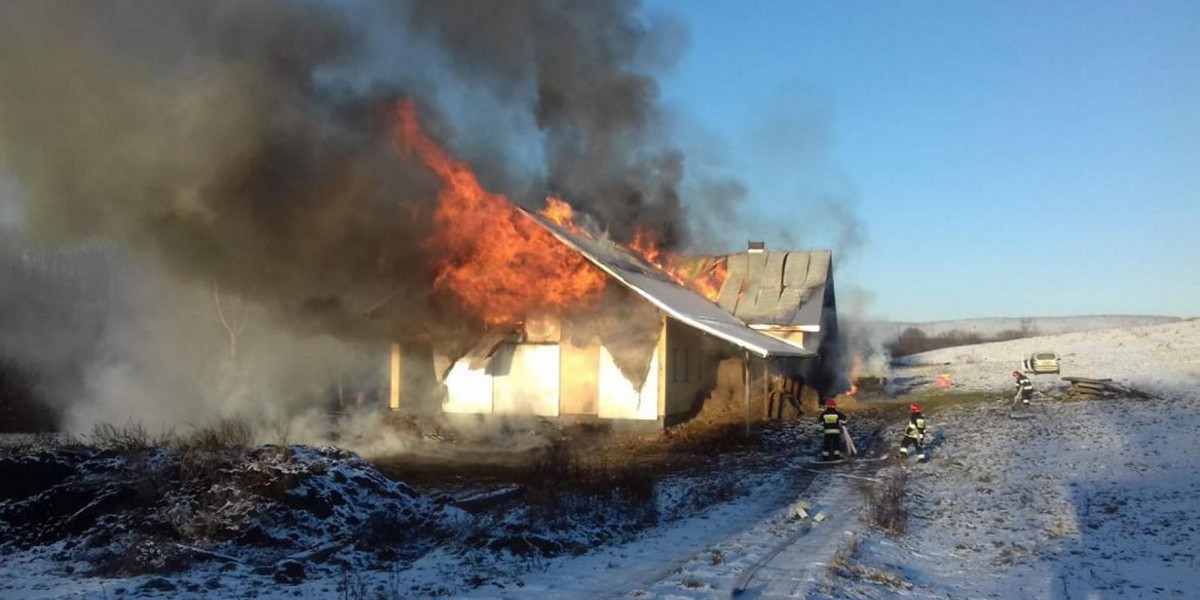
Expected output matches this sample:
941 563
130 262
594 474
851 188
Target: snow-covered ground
1040 325
1065 499
1164 358
1085 499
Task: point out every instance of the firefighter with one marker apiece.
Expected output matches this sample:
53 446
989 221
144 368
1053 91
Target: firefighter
1024 388
914 433
832 421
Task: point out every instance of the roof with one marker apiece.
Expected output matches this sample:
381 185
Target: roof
660 289
775 288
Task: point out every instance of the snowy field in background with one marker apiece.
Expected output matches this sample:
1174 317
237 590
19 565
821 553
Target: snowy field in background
1041 325
1163 358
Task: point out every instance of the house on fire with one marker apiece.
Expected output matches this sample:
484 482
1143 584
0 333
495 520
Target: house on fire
649 350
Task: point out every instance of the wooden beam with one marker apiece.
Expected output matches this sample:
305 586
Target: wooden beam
746 392
394 395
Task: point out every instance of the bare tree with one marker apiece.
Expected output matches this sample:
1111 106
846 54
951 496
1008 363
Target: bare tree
233 312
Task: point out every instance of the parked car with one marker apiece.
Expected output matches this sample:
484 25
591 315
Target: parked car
1043 362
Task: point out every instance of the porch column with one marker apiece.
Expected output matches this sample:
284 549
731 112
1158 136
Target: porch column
394 392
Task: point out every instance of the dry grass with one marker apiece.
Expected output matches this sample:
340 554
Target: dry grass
560 480
220 437
22 445
206 450
844 565
130 438
885 504
843 559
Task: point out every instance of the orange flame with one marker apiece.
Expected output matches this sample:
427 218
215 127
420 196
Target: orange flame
498 262
707 283
855 372
558 211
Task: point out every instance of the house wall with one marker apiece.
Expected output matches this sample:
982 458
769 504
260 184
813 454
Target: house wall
468 390
520 379
546 379
406 381
690 373
530 384
619 399
579 374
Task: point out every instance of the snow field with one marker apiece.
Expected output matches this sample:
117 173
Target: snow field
1090 499
1163 359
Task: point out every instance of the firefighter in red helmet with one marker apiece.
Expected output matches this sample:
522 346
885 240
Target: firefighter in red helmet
914 433
832 421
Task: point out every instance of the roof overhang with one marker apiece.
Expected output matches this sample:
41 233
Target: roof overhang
784 328
679 302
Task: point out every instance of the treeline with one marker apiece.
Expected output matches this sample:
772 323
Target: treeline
914 341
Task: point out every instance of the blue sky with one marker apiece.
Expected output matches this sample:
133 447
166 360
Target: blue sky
1003 158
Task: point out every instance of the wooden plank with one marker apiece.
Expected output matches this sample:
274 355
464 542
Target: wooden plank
735 279
770 287
660 354
481 354
580 377
795 271
1085 379
394 391
757 264
818 271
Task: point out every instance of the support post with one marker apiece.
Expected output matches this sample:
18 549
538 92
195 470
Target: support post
746 377
766 376
394 392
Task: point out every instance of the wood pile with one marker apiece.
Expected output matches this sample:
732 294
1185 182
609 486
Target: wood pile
1086 388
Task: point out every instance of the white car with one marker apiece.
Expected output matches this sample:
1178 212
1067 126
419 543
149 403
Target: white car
1043 362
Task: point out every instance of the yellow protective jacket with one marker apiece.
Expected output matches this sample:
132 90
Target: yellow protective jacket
916 426
832 420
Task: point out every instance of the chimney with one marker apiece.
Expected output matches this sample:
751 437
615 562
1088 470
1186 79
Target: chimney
756 247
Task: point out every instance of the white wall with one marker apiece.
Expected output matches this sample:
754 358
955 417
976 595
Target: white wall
619 399
531 385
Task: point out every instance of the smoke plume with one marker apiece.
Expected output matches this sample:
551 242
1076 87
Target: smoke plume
245 143
243 150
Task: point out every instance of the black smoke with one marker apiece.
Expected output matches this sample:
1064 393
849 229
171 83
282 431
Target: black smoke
244 150
247 144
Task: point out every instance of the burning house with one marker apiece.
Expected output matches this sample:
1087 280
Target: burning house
378 269
577 325
670 365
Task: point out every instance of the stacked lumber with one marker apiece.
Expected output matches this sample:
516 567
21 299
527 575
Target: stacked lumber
1085 388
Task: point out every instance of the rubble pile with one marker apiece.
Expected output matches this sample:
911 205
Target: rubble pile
160 509
1084 388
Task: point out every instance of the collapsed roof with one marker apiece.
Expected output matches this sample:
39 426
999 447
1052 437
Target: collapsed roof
663 291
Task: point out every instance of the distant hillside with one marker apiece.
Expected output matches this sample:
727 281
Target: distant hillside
898 338
1161 357
1041 325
